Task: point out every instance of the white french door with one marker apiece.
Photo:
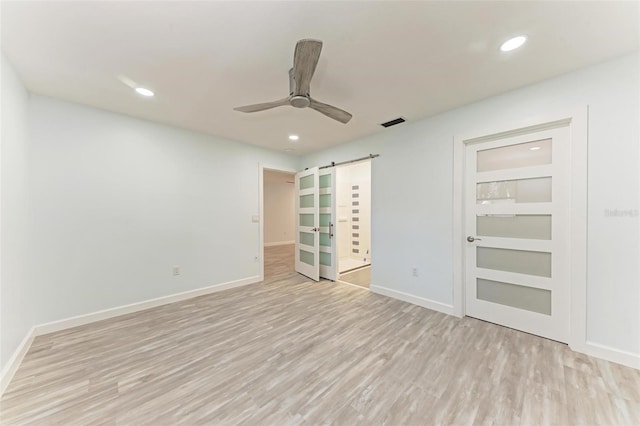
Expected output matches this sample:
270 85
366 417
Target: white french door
517 232
315 219
307 223
327 257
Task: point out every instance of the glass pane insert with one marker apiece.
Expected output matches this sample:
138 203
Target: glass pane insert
536 227
325 240
517 296
325 181
325 219
537 190
307 238
514 156
306 200
306 219
306 182
307 257
518 261
325 200
325 258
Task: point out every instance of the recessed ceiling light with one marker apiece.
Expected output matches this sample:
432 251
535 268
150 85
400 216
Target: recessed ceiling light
513 43
534 148
144 92
294 137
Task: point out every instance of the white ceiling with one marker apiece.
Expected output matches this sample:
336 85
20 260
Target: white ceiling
380 60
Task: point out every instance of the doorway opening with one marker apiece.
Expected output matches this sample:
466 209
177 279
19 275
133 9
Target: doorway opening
278 220
353 227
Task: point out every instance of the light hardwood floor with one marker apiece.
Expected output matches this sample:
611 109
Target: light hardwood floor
360 277
279 261
289 351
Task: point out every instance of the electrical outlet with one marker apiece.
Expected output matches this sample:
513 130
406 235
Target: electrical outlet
415 272
176 270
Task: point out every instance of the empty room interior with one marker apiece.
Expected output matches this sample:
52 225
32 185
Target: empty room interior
270 213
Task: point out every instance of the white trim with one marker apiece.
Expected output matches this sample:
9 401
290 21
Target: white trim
416 300
16 359
279 243
52 327
458 226
608 353
578 184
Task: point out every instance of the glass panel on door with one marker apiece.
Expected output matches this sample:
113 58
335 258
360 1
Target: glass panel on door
537 190
514 156
518 261
517 296
531 226
307 257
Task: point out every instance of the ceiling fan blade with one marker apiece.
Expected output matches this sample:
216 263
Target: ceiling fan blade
330 111
305 60
263 106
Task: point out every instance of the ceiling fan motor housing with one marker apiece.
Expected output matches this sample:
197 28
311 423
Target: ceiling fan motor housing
296 101
300 101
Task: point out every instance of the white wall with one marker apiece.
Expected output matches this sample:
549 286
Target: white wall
117 201
279 208
16 291
412 191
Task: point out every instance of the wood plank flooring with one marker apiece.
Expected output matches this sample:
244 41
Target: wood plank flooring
360 277
279 261
289 351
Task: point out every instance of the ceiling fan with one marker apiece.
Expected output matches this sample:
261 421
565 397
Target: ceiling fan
305 59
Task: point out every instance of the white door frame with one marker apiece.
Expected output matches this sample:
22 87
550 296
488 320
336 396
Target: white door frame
578 129
261 169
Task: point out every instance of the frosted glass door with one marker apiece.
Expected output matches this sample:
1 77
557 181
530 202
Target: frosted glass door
516 224
327 211
308 224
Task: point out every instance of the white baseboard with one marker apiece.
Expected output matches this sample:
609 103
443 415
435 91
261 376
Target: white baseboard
51 327
14 362
416 300
608 353
76 321
279 243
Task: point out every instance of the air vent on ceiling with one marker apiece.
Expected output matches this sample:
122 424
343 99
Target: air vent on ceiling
393 122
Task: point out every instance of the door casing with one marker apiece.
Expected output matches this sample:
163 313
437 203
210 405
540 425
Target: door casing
577 122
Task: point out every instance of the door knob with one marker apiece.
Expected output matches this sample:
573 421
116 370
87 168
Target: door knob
472 239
